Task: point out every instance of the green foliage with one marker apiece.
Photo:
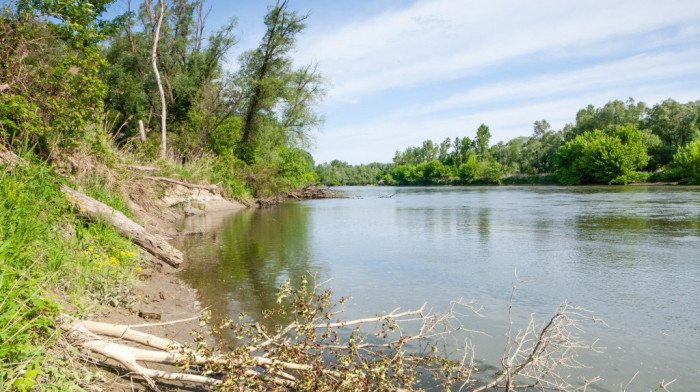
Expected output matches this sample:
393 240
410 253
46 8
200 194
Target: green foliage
190 65
19 118
45 247
54 66
596 157
251 119
342 173
674 123
483 135
272 91
223 139
607 118
490 172
533 179
295 168
469 171
685 167
231 173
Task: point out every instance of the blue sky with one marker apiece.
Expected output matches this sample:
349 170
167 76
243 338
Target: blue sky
400 72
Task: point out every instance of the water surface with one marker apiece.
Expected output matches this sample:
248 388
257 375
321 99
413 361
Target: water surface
631 254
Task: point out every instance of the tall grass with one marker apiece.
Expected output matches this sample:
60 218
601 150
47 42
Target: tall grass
46 248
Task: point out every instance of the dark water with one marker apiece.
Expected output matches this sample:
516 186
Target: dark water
631 254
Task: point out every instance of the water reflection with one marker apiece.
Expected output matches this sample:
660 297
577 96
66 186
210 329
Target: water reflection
241 266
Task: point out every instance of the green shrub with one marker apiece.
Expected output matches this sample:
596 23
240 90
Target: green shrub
469 170
596 157
685 167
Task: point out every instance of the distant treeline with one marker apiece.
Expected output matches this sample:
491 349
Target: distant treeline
618 143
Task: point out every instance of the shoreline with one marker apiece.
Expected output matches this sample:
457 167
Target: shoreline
160 296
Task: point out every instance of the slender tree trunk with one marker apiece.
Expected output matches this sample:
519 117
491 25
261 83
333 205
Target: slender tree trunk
142 132
161 92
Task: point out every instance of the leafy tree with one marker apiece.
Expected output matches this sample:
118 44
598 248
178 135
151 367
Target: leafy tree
612 115
190 66
469 170
685 166
483 135
675 123
267 80
403 174
490 172
50 85
596 157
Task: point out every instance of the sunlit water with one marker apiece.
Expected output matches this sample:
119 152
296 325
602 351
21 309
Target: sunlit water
631 254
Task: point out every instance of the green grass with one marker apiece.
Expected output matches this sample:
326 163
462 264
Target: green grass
46 248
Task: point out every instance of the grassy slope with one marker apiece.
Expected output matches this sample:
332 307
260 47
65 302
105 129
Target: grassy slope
45 248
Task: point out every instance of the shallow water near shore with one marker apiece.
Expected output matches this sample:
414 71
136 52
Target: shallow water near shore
630 254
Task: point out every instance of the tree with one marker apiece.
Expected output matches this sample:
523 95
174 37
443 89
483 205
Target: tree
50 85
596 157
685 166
675 123
469 170
483 135
262 77
197 96
161 92
612 115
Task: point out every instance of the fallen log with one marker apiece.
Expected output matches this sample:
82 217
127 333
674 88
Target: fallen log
210 188
95 210
80 335
92 337
10 157
137 167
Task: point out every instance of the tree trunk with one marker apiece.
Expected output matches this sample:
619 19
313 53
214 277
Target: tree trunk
142 132
95 210
161 92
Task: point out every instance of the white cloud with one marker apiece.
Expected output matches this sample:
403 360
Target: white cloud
633 71
439 40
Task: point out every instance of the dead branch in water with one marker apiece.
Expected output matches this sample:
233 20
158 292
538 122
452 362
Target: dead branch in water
317 351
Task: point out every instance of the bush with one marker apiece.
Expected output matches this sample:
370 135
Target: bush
469 170
685 167
596 157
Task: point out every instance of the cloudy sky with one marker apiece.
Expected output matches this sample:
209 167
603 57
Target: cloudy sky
400 72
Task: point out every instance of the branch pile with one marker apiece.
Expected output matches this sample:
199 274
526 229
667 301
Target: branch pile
316 351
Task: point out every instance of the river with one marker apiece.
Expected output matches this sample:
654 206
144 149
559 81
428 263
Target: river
630 254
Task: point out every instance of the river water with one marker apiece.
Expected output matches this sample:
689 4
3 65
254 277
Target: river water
630 254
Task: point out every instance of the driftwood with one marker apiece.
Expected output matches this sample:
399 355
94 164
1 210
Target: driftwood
98 337
307 193
138 167
90 336
211 188
10 157
95 210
